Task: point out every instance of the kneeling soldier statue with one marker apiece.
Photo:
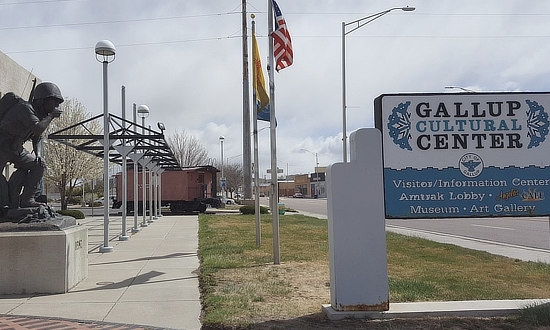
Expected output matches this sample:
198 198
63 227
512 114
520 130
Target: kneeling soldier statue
25 121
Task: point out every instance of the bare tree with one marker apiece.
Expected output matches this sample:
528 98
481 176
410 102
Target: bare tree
233 177
188 150
66 165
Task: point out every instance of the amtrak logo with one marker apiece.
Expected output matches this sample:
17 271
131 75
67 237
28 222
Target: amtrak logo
471 165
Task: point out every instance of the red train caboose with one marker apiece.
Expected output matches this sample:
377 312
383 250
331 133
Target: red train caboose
184 190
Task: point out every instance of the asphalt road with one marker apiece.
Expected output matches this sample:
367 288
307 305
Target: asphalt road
530 231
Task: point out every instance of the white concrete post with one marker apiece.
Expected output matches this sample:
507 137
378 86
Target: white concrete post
356 221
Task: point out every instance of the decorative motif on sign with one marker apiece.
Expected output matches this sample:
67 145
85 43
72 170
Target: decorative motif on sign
399 125
537 123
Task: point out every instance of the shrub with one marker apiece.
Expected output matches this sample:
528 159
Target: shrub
74 200
537 315
77 214
250 209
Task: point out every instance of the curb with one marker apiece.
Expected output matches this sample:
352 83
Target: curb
524 253
470 308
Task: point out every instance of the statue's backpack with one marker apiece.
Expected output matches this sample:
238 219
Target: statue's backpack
4 195
7 102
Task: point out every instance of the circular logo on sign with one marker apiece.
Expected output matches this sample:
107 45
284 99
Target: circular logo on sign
471 165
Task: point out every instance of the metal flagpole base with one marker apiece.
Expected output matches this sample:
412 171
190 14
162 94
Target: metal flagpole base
123 238
106 249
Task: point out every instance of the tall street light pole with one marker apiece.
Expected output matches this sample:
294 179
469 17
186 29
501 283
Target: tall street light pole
222 181
143 112
316 177
355 25
105 53
316 157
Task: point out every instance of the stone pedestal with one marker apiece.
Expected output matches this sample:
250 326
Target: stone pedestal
43 261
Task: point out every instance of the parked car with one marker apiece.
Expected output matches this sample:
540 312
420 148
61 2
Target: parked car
228 201
297 195
101 199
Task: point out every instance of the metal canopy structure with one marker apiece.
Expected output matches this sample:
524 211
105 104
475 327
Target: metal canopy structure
122 133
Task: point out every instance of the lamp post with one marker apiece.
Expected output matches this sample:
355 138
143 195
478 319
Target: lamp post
105 53
356 25
135 156
221 157
314 193
316 157
159 177
461 88
143 112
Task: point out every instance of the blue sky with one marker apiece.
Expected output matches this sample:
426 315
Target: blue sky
184 60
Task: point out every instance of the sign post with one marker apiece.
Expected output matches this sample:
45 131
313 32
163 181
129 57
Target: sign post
356 229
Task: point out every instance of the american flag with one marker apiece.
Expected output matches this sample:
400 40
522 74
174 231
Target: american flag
282 45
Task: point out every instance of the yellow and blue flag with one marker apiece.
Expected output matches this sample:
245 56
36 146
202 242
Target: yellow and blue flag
258 83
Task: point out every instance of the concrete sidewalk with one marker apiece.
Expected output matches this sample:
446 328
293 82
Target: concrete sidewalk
470 308
150 280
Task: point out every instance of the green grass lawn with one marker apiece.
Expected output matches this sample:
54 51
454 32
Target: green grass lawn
240 285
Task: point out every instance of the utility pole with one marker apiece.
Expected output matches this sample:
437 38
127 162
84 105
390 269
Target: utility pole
247 171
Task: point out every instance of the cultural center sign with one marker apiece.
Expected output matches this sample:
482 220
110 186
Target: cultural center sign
465 155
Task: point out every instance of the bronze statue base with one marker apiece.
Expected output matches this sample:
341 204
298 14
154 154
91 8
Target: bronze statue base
41 218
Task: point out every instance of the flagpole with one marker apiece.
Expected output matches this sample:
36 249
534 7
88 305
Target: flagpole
273 138
246 112
255 130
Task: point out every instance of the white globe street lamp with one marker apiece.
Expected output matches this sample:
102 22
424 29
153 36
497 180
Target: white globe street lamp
105 53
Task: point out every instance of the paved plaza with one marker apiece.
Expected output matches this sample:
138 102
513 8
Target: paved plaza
148 281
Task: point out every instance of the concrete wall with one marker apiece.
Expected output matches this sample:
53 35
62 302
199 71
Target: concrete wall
15 78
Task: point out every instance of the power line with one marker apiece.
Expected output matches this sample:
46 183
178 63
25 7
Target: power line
417 14
154 43
425 36
233 12
35 2
131 20
120 45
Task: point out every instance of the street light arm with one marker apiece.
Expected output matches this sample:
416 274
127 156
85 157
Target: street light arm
360 22
366 20
461 88
313 153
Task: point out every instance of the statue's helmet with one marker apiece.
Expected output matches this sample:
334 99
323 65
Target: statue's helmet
47 89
